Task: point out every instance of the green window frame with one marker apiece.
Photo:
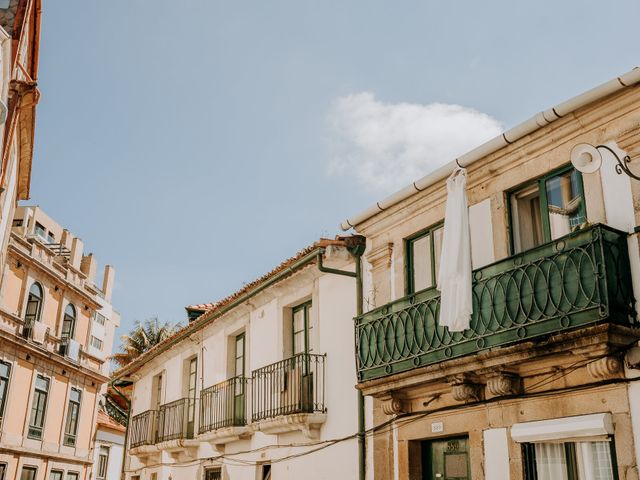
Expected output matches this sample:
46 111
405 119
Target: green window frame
542 184
73 416
38 407
301 328
33 310
191 395
5 374
239 355
431 236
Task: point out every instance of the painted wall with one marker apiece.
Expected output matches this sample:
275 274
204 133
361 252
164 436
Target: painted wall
265 322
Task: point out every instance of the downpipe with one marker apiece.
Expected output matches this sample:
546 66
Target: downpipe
356 251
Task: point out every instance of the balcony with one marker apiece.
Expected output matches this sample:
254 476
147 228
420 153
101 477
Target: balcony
289 395
223 411
143 429
578 280
176 420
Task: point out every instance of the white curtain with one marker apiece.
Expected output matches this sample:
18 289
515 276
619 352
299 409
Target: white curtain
551 461
454 277
595 461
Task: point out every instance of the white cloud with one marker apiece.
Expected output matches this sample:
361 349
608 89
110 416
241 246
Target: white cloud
385 146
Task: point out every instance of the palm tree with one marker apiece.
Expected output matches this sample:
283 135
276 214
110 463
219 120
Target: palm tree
144 336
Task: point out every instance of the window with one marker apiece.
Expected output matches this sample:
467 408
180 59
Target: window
39 407
212 474
73 412
72 475
3 470
68 327
68 322
103 463
40 231
34 308
423 259
51 238
154 476
547 209
301 328
5 370
16 223
28 473
266 471
99 318
96 343
191 395
569 461
239 356
56 475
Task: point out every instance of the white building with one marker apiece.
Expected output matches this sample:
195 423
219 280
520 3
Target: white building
108 453
256 383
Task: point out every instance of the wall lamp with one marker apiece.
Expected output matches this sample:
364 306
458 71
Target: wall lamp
587 159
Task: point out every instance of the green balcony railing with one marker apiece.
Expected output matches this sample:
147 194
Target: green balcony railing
580 279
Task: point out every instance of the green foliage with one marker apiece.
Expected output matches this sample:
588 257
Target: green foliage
144 336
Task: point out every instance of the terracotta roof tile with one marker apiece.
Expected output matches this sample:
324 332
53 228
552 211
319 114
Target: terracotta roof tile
213 307
106 421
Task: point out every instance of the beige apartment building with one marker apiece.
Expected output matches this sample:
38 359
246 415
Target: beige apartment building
543 385
56 332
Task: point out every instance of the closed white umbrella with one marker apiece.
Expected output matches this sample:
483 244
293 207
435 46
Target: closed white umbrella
455 276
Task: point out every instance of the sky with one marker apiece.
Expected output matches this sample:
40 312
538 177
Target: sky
195 144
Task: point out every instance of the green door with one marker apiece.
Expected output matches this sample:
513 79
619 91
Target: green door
446 459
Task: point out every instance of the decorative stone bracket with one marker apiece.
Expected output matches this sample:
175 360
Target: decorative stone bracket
465 388
501 383
392 404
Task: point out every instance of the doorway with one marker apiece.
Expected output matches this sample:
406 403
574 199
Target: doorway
446 459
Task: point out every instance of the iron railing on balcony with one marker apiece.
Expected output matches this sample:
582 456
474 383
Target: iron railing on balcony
579 279
143 428
223 405
173 420
294 385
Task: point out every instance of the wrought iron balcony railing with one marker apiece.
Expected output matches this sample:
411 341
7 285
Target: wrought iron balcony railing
143 428
223 405
294 385
579 279
175 420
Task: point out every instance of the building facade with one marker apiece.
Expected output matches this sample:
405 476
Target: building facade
108 449
259 385
543 383
56 333
19 96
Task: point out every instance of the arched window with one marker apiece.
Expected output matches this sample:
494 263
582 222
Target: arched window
34 308
68 322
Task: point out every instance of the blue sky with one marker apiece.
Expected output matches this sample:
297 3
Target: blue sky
196 144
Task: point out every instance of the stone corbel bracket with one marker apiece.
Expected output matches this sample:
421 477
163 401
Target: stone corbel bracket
602 364
393 404
465 388
500 382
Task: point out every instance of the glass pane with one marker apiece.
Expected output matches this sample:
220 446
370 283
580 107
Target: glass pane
437 246
55 475
42 383
28 473
72 476
4 370
565 203
421 263
298 342
298 320
551 461
594 461
75 395
526 221
239 346
239 366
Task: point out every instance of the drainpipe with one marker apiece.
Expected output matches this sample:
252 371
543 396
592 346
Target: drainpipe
356 250
126 432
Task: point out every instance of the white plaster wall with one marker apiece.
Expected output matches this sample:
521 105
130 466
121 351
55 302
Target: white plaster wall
114 468
496 454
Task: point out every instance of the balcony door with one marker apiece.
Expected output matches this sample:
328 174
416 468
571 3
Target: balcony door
300 372
191 396
446 459
238 387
